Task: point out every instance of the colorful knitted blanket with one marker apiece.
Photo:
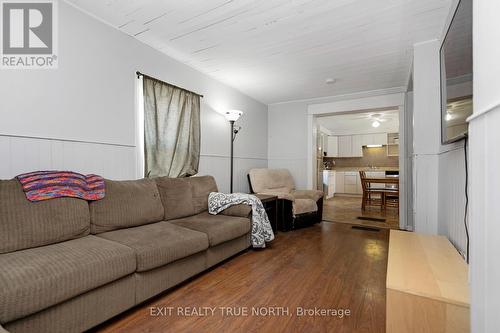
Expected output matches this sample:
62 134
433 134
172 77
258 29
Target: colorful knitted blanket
45 185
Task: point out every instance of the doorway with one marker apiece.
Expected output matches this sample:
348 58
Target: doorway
383 137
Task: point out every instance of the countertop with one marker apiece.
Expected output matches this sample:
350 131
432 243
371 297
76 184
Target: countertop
364 169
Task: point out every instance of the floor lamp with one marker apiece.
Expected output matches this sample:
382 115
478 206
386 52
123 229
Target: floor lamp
232 116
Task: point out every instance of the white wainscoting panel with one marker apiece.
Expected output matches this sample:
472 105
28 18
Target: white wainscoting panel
484 221
452 197
22 154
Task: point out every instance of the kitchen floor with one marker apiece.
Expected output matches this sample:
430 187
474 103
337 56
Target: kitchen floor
347 209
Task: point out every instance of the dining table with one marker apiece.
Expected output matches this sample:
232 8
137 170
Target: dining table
383 180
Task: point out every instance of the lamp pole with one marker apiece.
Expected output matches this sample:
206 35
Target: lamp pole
232 143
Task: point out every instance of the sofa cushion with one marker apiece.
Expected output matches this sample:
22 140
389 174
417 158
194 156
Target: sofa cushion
219 228
183 197
308 194
301 206
127 203
176 196
264 179
159 243
25 224
34 279
202 186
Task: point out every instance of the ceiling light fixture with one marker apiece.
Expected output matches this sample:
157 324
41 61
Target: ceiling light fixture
330 80
375 124
373 146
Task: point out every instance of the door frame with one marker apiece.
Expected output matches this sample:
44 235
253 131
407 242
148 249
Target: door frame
342 106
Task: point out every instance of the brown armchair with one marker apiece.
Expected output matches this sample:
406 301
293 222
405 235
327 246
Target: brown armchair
296 208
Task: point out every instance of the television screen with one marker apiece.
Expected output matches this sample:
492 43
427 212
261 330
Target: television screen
456 75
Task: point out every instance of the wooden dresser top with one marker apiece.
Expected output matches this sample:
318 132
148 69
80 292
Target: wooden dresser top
427 266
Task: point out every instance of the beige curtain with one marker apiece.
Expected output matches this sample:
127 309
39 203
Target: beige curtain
171 130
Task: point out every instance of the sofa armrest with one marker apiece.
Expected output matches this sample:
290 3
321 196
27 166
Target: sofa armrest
240 210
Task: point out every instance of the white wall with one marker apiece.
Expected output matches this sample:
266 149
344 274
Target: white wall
90 98
426 135
484 165
288 139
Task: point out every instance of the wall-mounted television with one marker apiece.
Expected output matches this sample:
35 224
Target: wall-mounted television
456 75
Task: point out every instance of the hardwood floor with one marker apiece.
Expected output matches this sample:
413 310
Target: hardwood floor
328 265
345 209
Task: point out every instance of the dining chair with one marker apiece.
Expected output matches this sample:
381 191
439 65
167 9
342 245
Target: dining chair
371 196
391 196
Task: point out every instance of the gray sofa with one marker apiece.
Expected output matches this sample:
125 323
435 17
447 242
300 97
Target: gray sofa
67 265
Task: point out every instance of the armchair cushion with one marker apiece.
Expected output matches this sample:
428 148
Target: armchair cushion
307 194
280 193
302 206
271 179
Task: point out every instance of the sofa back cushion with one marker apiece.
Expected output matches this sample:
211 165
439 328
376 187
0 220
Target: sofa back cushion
271 179
127 203
183 197
25 224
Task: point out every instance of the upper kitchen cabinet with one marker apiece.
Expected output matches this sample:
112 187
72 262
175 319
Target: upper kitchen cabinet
350 146
357 146
345 146
332 147
392 144
374 139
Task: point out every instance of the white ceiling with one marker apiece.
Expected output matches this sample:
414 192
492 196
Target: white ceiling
280 50
361 122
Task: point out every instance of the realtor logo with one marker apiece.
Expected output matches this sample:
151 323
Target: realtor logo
29 34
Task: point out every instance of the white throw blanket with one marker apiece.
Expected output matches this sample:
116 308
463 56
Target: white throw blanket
261 227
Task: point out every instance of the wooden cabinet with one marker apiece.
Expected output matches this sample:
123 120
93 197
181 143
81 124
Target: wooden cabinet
332 146
427 285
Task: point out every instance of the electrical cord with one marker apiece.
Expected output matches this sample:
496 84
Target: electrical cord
466 199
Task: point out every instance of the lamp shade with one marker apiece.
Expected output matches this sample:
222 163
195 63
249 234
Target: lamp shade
233 115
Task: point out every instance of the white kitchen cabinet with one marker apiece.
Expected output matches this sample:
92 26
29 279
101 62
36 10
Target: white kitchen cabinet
356 146
339 182
350 182
380 139
332 147
374 139
345 146
367 139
